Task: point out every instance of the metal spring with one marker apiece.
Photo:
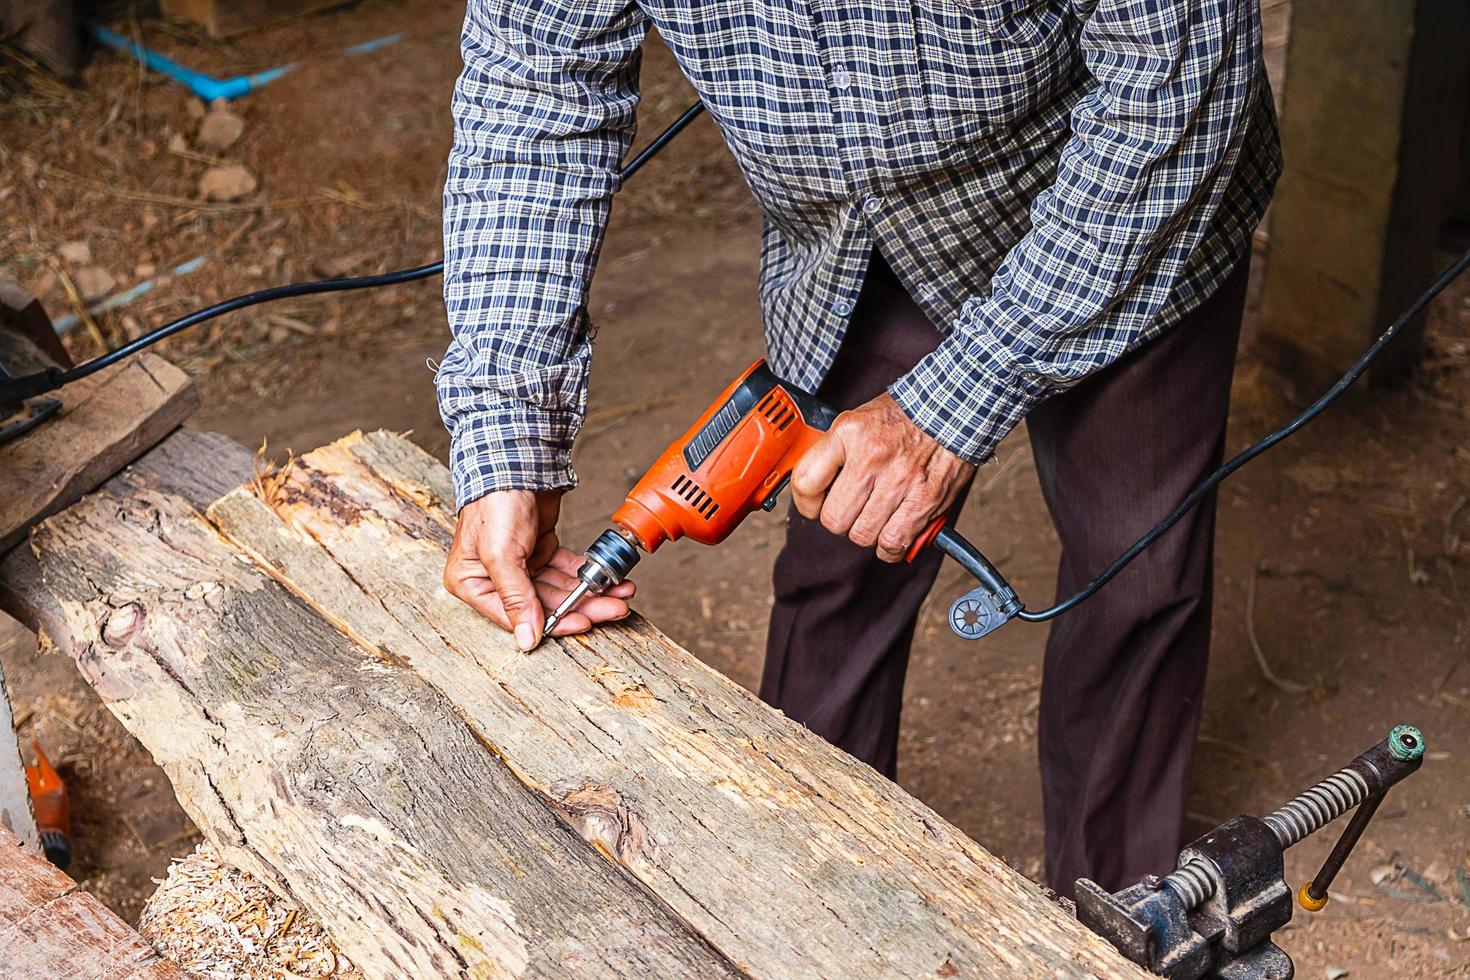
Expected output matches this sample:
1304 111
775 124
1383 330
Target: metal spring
1192 883
1318 806
1291 822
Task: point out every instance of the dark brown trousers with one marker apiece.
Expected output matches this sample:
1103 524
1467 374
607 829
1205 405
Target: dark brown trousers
1125 671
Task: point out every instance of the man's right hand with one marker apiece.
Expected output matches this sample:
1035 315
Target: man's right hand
507 564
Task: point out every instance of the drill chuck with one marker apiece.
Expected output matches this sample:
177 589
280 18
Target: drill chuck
609 561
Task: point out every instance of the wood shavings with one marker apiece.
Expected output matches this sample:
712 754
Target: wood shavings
219 923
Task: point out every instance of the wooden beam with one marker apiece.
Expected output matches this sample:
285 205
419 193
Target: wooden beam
346 731
1373 111
340 780
15 797
51 928
106 421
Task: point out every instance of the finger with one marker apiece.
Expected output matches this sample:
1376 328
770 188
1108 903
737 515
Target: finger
556 578
486 602
566 560
592 610
577 623
881 505
569 562
904 527
467 581
814 474
845 500
512 581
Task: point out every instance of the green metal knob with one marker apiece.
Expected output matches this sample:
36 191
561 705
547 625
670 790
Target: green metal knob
1405 743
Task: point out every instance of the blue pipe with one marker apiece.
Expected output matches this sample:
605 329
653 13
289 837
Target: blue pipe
207 87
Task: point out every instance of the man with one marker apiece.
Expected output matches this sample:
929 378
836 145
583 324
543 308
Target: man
976 211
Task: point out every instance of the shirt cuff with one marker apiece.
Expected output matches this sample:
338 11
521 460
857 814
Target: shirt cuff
512 449
964 394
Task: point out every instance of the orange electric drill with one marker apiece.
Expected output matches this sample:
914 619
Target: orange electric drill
737 458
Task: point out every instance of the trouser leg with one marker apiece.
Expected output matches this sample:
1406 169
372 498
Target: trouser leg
1124 672
843 621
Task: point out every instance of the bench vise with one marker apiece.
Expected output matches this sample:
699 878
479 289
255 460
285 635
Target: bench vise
1213 917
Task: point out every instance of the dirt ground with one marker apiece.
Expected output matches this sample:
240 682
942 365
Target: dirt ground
1341 553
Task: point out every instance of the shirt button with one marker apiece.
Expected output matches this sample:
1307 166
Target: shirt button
842 79
873 205
842 307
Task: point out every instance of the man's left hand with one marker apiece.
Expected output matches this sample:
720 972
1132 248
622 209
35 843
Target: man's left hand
877 479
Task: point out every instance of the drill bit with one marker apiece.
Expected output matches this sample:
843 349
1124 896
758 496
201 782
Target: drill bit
567 604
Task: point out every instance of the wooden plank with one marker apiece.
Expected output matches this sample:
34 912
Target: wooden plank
225 17
789 856
50 928
106 421
1374 104
15 797
336 777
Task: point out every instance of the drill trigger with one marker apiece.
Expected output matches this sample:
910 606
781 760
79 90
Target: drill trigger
769 504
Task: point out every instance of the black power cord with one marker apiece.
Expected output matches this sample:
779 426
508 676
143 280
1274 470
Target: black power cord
30 385
1255 449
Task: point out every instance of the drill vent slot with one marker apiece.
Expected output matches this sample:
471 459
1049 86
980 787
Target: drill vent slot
776 411
704 505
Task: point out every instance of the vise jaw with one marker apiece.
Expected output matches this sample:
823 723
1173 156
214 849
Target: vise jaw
1213 918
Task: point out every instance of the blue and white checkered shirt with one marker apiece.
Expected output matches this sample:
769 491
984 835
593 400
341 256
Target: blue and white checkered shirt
1054 181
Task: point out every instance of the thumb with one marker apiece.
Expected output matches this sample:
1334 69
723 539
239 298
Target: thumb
518 596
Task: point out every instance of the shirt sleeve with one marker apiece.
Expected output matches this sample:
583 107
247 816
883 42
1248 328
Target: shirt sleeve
544 111
1153 147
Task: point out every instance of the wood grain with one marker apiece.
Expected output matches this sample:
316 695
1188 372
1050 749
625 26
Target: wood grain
50 928
106 421
333 774
348 733
787 855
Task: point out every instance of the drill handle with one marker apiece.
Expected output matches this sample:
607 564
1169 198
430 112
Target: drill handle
967 556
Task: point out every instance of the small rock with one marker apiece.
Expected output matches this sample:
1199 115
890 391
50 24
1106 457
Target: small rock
220 129
227 183
196 108
1382 873
145 270
1336 973
177 143
93 282
76 253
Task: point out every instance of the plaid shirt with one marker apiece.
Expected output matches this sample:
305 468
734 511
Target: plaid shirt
1054 181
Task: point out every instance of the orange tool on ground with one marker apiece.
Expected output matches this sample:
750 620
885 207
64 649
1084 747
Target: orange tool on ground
53 813
735 459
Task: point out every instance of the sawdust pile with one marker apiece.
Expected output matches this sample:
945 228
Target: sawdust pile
219 923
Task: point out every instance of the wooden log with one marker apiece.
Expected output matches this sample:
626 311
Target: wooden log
106 421
341 780
50 928
406 759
